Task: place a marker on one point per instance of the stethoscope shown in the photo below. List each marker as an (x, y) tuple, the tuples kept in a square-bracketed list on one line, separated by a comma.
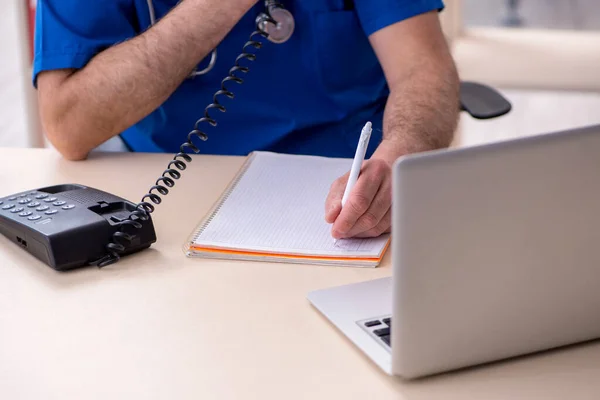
[(278, 32)]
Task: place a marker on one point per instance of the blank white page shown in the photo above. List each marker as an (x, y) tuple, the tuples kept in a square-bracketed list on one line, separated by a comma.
[(278, 206)]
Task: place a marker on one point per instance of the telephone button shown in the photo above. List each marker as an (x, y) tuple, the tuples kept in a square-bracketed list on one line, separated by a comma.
[(33, 204), (50, 199), (34, 217), (68, 207), (7, 206), (41, 196), (51, 212), (42, 208), (13, 198), (25, 214), (23, 195), (59, 203), (25, 200), (17, 210)]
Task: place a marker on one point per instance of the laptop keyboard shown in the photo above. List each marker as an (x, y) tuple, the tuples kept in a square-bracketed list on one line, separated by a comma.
[(380, 328)]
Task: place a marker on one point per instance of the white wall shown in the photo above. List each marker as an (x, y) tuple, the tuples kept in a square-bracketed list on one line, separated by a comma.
[(13, 127)]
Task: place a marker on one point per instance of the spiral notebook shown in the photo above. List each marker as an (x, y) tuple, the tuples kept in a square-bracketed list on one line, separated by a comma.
[(274, 210)]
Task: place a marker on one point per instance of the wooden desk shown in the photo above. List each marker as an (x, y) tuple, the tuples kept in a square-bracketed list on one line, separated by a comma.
[(158, 325)]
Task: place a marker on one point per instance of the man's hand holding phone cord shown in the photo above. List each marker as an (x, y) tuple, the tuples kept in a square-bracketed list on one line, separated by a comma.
[(81, 109)]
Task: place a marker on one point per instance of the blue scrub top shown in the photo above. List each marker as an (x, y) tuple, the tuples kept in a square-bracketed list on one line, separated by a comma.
[(310, 95)]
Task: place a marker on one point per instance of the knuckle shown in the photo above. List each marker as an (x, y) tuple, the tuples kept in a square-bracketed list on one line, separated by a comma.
[(384, 226), (383, 202), (369, 220), (377, 231), (380, 167), (360, 203)]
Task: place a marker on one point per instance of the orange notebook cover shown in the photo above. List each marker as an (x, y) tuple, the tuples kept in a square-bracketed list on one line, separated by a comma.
[(273, 210)]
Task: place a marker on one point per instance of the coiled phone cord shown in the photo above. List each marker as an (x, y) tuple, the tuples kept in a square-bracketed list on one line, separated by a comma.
[(125, 234)]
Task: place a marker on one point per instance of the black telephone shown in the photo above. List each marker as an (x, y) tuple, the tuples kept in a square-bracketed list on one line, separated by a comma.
[(70, 226), (67, 226)]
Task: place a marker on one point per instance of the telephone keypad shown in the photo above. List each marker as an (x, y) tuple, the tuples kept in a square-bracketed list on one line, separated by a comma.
[(19, 204)]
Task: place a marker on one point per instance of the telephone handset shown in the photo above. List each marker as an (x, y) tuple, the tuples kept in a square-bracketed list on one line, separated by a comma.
[(70, 226)]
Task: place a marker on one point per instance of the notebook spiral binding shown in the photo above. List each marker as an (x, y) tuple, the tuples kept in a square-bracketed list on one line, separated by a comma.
[(125, 233), (217, 206)]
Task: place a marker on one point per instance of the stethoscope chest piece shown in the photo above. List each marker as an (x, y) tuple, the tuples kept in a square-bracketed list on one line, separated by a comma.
[(278, 24)]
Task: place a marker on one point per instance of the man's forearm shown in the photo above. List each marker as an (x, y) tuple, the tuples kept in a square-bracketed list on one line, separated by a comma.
[(421, 112), (126, 82)]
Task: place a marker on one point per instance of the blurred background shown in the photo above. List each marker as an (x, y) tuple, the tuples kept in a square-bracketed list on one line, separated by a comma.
[(543, 55), (15, 59)]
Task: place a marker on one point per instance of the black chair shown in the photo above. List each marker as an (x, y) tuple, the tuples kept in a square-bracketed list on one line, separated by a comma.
[(482, 101)]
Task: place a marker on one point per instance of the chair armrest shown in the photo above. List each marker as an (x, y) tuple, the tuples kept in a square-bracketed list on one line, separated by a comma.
[(481, 101)]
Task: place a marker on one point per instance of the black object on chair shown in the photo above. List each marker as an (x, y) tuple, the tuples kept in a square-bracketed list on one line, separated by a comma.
[(481, 101)]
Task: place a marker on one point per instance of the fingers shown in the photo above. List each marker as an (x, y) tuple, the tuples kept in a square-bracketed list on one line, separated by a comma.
[(379, 208), (383, 226), (361, 199), (333, 204)]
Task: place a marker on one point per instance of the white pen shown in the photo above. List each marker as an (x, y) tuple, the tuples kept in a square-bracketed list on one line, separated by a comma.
[(359, 157)]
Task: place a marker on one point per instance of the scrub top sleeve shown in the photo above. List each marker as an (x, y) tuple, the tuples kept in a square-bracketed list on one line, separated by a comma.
[(377, 14), (68, 33)]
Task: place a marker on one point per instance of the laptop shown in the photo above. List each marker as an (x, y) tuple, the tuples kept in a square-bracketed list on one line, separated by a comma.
[(495, 254)]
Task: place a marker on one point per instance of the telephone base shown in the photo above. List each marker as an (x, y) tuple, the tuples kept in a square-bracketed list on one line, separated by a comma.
[(69, 226)]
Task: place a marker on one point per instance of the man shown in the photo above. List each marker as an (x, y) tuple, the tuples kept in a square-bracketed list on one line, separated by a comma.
[(102, 71)]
